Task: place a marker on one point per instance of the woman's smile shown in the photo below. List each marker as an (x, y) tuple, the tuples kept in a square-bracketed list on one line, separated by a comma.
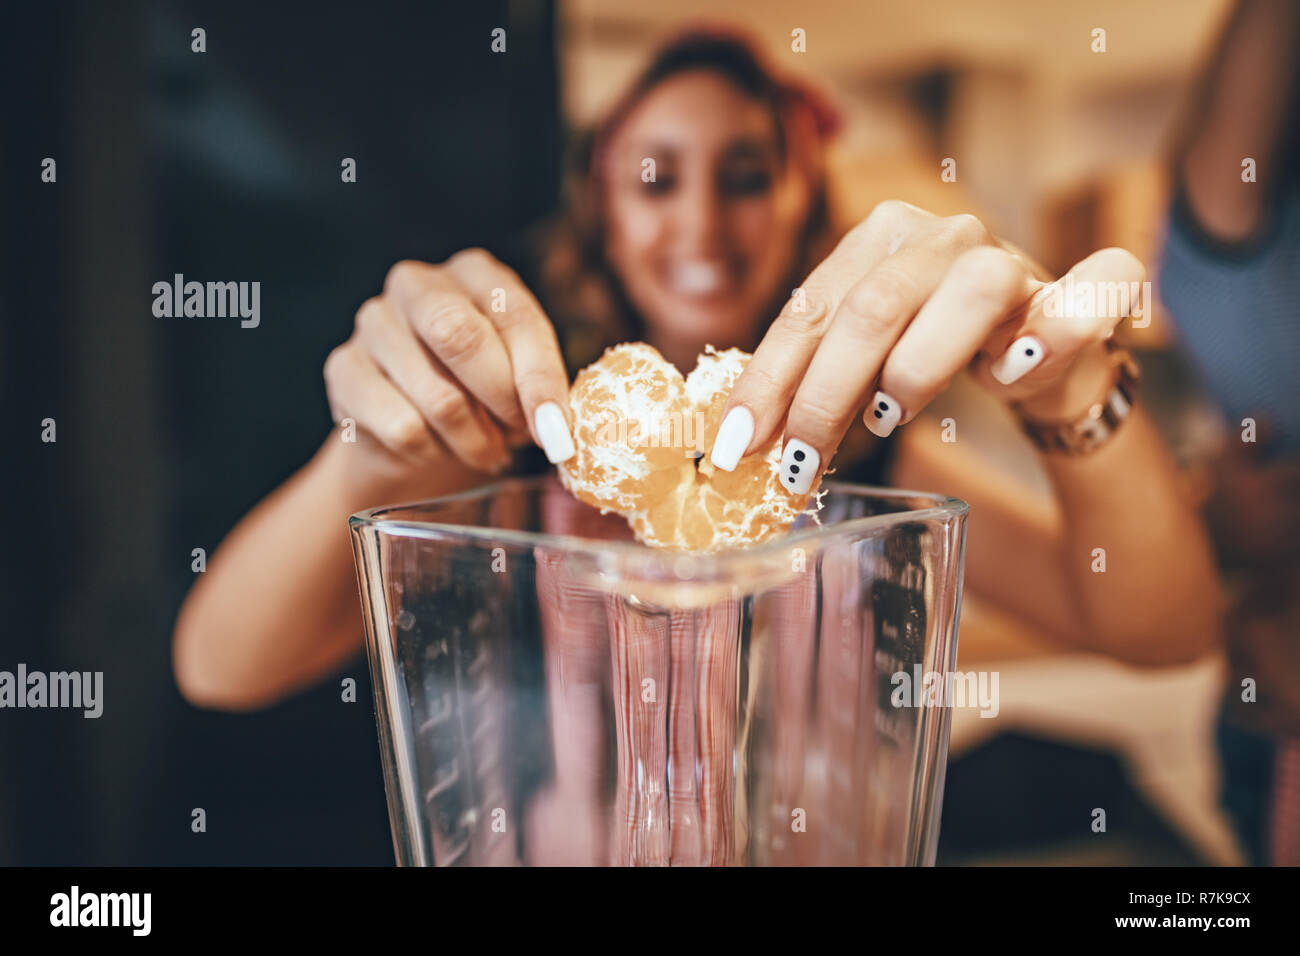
[(701, 281)]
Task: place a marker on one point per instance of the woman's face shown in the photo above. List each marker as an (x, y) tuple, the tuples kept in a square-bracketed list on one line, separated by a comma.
[(703, 249)]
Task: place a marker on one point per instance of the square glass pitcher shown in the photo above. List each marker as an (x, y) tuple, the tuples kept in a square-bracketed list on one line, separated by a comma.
[(550, 692)]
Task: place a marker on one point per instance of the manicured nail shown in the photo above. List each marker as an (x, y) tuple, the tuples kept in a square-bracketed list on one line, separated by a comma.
[(553, 433), (799, 464), (734, 436), (1024, 354), (883, 415)]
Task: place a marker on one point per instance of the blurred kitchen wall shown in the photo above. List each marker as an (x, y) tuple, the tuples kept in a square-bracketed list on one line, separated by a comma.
[(221, 165)]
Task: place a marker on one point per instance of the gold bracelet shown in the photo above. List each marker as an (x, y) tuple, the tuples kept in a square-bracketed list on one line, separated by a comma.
[(1099, 423)]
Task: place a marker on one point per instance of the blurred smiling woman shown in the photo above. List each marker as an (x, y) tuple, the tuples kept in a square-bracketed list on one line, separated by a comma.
[(445, 392)]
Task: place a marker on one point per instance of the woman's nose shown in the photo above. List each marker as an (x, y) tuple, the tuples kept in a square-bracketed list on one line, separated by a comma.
[(699, 216)]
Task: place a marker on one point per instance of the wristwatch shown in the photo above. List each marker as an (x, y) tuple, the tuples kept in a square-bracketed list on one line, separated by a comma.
[(1102, 419)]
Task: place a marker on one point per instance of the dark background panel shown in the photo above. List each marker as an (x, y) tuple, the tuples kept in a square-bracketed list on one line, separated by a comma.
[(223, 166)]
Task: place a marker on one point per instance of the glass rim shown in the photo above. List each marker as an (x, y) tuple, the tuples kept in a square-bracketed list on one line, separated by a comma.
[(943, 507)]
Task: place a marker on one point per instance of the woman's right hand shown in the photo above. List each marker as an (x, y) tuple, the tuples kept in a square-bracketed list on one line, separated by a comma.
[(451, 361)]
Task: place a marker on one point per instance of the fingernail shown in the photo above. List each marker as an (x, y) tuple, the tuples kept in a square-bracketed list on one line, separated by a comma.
[(553, 433), (734, 436), (1024, 354), (799, 464), (884, 415)]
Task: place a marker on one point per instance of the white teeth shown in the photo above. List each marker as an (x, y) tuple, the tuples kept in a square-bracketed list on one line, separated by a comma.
[(698, 278)]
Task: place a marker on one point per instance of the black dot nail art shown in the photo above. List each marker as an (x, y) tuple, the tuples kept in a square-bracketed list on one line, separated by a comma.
[(887, 413), (799, 477)]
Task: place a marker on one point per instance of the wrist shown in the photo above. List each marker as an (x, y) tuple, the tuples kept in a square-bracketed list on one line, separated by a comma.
[(1080, 416), (361, 472), (366, 474)]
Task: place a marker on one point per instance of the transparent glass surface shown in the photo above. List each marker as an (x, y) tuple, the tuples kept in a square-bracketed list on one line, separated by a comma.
[(549, 692)]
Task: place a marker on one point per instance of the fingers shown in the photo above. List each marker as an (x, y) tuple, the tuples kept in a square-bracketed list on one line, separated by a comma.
[(974, 298), (869, 321), (358, 389), (764, 389), (443, 404), (445, 319), (1065, 317), (762, 393), (537, 367), (480, 321)]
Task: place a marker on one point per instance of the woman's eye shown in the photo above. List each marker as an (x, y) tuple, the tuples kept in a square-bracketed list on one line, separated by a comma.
[(747, 183), (659, 186)]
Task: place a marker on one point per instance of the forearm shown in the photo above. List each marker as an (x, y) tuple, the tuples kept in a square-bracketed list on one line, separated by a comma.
[(1124, 507), (1030, 552), (1014, 534), (277, 608), (1241, 112), (1157, 599)]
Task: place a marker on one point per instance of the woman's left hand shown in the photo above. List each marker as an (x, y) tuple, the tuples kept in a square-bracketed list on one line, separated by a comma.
[(906, 301)]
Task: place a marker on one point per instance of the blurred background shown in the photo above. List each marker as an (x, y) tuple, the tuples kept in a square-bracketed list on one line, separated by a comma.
[(226, 165)]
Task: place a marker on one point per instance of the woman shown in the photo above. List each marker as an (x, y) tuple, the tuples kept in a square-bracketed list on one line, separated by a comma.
[(702, 206), (1230, 277)]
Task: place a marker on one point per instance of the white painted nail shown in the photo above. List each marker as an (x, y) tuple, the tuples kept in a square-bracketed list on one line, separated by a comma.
[(799, 464), (1024, 354), (734, 436), (883, 414), (553, 433)]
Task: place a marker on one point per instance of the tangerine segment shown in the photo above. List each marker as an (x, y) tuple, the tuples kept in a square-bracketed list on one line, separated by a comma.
[(620, 404), (638, 428)]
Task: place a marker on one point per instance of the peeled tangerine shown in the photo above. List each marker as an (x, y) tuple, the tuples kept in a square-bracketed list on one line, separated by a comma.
[(639, 428)]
